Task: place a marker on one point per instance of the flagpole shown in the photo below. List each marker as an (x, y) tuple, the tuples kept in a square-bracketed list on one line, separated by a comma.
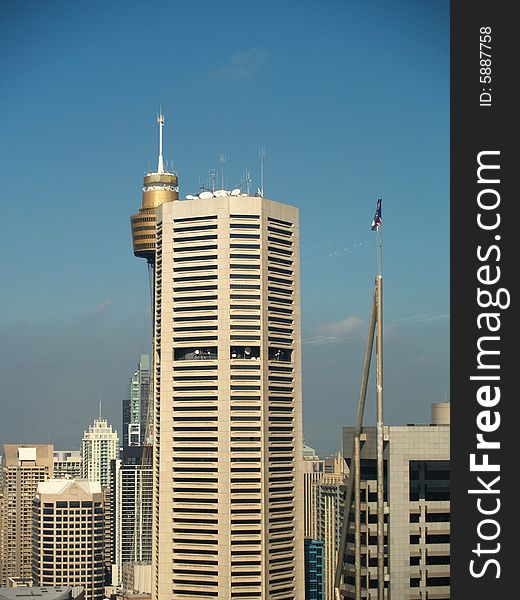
[(380, 428), (358, 428), (376, 328), (380, 236)]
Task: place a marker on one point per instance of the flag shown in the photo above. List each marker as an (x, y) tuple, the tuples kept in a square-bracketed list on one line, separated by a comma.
[(378, 221)]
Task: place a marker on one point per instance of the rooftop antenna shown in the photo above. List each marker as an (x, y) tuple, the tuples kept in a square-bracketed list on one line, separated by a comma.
[(100, 407), (261, 154), (212, 176), (248, 181), (222, 162), (160, 121)]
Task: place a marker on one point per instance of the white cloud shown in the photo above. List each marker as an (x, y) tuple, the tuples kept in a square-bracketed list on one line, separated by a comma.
[(101, 307), (346, 327), (338, 331), (242, 65), (426, 318)]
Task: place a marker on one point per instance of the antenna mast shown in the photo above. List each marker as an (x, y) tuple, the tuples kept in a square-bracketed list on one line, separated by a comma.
[(248, 181), (222, 162), (160, 121), (261, 154)]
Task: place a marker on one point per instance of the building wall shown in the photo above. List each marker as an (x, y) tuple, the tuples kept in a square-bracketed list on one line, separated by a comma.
[(133, 516), (67, 464), (314, 567), (417, 444), (22, 468), (228, 429), (136, 404), (418, 527), (329, 501), (313, 469)]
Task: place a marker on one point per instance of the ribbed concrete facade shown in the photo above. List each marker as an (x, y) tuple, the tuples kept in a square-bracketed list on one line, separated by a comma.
[(228, 497)]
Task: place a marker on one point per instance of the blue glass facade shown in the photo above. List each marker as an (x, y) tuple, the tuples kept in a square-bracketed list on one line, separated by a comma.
[(314, 570)]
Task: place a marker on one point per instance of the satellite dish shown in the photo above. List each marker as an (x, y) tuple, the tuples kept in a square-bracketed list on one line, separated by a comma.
[(190, 197), (220, 193), (247, 350), (197, 351), (206, 195), (235, 192)]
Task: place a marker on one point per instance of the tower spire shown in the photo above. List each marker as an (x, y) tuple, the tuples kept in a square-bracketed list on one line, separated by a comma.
[(160, 121), (159, 186)]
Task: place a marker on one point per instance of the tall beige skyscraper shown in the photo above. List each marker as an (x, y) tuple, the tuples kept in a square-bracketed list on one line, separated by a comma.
[(68, 525), (228, 480), (23, 466)]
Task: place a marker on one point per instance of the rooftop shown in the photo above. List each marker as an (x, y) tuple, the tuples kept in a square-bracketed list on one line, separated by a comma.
[(49, 593), (59, 486)]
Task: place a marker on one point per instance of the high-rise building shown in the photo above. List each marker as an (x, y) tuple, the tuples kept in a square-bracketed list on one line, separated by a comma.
[(23, 467), (324, 488), (329, 492), (228, 485), (108, 541), (228, 508), (308, 452), (100, 445), (313, 469), (68, 524), (417, 510), (67, 464), (132, 507), (136, 409), (314, 580)]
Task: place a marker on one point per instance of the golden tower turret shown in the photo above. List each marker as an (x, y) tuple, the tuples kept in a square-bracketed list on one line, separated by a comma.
[(158, 187)]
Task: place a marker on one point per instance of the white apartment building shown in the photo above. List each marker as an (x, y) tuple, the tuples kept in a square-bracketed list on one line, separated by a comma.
[(100, 445)]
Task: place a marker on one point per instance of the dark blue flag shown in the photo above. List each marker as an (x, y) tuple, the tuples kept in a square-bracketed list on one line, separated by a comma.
[(378, 221)]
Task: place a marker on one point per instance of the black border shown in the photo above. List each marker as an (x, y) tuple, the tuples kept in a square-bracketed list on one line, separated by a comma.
[(475, 129)]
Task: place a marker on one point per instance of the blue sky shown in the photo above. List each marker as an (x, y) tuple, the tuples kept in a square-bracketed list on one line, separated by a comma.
[(350, 101)]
